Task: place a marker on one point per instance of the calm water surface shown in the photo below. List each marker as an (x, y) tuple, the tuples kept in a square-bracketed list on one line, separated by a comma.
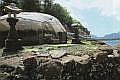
[(112, 42)]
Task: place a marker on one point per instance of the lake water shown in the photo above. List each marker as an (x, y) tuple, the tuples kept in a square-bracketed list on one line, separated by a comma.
[(112, 42)]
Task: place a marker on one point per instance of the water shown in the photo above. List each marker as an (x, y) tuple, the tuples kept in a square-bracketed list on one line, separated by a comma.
[(112, 42)]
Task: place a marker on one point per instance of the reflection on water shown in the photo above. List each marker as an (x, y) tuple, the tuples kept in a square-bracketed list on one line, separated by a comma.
[(112, 42)]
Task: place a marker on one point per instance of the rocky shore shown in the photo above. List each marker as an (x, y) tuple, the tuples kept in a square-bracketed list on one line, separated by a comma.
[(66, 62)]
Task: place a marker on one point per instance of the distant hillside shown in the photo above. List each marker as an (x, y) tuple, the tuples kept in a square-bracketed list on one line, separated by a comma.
[(110, 36), (113, 35)]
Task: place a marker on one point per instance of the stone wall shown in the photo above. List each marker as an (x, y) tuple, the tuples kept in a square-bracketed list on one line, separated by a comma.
[(102, 66)]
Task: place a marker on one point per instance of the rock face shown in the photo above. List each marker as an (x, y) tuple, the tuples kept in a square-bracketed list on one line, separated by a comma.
[(30, 65), (6, 68), (72, 67), (35, 28), (102, 66), (52, 70)]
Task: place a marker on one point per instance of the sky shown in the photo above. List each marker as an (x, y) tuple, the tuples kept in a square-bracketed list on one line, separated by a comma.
[(99, 16)]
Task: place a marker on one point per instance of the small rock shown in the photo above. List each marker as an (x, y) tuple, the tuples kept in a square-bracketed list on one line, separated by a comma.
[(57, 53), (110, 56), (82, 60), (43, 55), (116, 53)]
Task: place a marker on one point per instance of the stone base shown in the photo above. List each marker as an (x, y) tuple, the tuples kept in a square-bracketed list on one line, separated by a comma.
[(12, 46), (76, 41)]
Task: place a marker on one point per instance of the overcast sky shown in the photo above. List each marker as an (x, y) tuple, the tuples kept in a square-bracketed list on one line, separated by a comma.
[(99, 16)]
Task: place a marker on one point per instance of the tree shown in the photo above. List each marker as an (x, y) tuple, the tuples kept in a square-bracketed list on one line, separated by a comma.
[(30, 5), (47, 5), (61, 13), (5, 3)]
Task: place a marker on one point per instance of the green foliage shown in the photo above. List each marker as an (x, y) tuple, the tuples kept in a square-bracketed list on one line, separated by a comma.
[(30, 5), (4, 3), (47, 5), (61, 13)]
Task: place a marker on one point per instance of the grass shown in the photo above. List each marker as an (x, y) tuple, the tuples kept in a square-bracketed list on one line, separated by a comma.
[(74, 49)]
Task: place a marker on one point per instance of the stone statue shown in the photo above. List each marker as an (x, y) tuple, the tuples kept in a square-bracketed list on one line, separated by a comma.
[(12, 9), (12, 43)]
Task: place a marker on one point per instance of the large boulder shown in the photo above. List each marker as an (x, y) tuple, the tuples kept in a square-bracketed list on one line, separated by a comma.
[(36, 28), (52, 69)]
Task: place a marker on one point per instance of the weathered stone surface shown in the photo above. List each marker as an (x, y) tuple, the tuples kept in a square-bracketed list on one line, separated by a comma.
[(82, 60), (116, 53), (19, 70), (6, 68), (51, 69), (30, 63), (3, 76), (70, 67), (57, 53), (106, 49), (75, 70), (101, 56)]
